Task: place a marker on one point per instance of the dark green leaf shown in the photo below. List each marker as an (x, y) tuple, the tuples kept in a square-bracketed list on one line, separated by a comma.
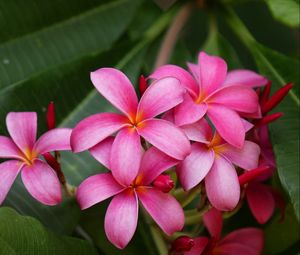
[(25, 235), (286, 11)]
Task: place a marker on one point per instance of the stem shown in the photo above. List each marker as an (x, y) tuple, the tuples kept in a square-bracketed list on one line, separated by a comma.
[(172, 35), (194, 216)]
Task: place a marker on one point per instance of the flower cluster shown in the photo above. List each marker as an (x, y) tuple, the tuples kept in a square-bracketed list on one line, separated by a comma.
[(208, 124)]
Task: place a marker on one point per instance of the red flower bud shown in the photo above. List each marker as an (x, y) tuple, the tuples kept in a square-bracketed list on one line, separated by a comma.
[(267, 119), (252, 174), (276, 98), (182, 243), (51, 116), (142, 84), (164, 183), (55, 166), (266, 93)]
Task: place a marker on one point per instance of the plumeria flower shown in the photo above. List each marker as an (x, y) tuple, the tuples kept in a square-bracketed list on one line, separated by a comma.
[(137, 120), (213, 91), (38, 177), (245, 241), (122, 213), (214, 159), (261, 198)]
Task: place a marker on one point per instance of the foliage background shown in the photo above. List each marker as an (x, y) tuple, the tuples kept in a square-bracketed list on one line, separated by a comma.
[(48, 48)]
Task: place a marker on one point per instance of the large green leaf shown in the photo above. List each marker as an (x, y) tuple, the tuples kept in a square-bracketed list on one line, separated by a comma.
[(22, 235), (286, 11)]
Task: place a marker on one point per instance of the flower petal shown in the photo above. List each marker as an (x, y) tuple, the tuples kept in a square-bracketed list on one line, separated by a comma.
[(8, 149), (22, 127), (164, 209), (200, 245), (97, 188), (42, 183), (121, 218), (102, 151), (222, 185), (8, 173), (199, 131), (213, 221), (213, 71), (57, 139), (117, 89), (126, 155), (166, 137), (162, 95), (195, 70), (154, 162), (253, 238), (245, 78), (195, 166), (237, 98), (228, 124), (94, 129), (234, 249), (188, 111), (246, 157), (260, 201), (179, 73), (247, 125)]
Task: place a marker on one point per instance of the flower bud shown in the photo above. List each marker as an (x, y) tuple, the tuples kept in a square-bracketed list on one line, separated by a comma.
[(142, 84), (164, 183), (51, 116), (182, 244)]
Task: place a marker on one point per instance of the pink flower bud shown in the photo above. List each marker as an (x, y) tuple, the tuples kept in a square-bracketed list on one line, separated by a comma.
[(164, 183), (51, 116), (183, 243)]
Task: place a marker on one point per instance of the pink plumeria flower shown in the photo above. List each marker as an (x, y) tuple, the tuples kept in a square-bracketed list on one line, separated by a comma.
[(122, 214), (38, 177), (138, 120), (213, 91), (261, 197), (214, 159), (244, 241)]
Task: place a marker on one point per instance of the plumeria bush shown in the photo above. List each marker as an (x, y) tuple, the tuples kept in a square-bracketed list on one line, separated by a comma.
[(120, 135)]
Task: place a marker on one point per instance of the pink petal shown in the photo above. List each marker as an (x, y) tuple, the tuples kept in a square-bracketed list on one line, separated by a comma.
[(195, 70), (94, 129), (188, 111), (245, 78), (213, 71), (117, 89), (179, 73), (57, 139), (260, 201), (97, 188), (102, 151), (8, 173), (121, 218), (222, 185), (126, 155), (42, 183), (169, 116), (164, 209), (195, 166), (213, 221), (200, 245), (154, 162), (237, 98), (199, 131), (246, 157), (8, 149), (22, 127), (166, 137), (228, 124), (247, 125), (234, 249), (161, 96), (253, 238)]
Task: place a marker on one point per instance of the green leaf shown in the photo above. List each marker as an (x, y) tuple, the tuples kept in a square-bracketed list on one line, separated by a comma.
[(25, 235), (279, 236), (284, 132), (285, 11)]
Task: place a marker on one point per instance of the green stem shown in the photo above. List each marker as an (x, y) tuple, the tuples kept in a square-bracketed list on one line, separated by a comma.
[(194, 216)]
